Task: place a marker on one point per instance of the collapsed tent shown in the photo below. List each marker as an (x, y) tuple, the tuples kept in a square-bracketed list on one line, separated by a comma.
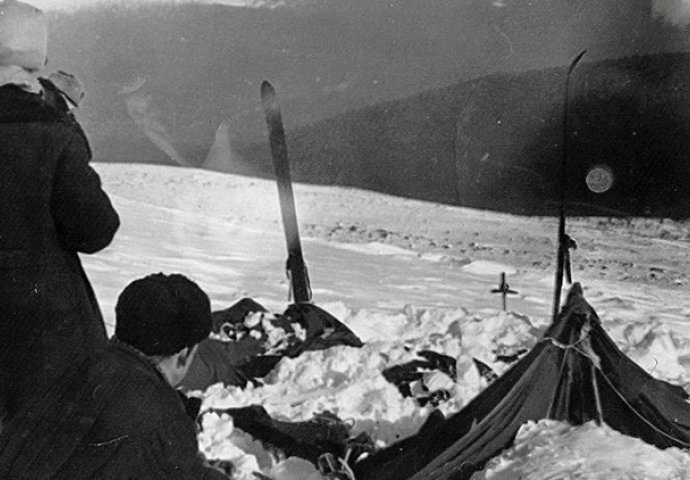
[(575, 374), (248, 342), (310, 439)]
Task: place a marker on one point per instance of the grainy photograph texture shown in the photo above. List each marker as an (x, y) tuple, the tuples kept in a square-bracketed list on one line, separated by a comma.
[(345, 239)]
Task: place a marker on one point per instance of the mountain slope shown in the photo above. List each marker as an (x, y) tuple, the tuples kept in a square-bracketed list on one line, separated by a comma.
[(496, 142), (202, 64), (161, 79)]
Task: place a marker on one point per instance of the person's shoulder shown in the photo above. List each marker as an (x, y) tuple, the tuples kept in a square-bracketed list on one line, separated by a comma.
[(19, 106), (138, 394)]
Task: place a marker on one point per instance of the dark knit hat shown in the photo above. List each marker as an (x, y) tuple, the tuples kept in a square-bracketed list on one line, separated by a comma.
[(162, 314)]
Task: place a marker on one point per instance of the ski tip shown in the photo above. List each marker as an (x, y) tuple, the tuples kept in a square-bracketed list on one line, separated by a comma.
[(576, 60), (267, 88), (269, 100)]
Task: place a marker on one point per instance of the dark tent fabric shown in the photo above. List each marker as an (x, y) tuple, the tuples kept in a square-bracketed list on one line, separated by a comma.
[(217, 361), (240, 361), (310, 439), (236, 313), (323, 329), (575, 374), (405, 375)]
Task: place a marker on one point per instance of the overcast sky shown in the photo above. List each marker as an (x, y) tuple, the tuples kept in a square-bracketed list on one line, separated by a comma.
[(676, 11)]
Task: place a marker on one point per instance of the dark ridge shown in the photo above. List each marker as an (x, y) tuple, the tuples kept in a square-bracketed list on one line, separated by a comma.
[(496, 142), (350, 75)]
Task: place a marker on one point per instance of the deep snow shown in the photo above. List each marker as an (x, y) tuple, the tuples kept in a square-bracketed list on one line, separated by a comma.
[(404, 275)]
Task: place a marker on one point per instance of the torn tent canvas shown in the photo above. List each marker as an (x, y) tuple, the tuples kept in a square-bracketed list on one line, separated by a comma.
[(309, 439), (244, 347), (575, 374)]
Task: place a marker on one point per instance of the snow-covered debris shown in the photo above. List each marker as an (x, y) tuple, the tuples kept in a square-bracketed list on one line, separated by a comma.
[(498, 338), (659, 349), (485, 267), (219, 441), (349, 382)]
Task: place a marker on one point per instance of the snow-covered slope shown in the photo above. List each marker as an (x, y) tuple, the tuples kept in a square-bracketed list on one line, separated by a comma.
[(404, 275)]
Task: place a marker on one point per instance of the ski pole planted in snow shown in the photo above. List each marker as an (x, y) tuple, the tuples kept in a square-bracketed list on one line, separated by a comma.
[(504, 289), (562, 243), (296, 268), (570, 244)]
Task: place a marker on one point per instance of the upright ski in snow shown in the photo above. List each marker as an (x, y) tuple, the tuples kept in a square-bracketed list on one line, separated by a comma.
[(296, 268), (563, 240)]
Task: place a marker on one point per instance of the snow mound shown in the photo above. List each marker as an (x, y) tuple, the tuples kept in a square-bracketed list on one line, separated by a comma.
[(219, 442), (659, 349), (374, 248), (222, 441), (485, 267), (408, 324), (342, 380), (555, 450)]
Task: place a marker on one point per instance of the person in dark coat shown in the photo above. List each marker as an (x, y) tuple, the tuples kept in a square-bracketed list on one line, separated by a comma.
[(119, 416), (51, 207)]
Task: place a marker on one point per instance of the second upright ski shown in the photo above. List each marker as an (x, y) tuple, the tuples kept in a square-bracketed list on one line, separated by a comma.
[(297, 269)]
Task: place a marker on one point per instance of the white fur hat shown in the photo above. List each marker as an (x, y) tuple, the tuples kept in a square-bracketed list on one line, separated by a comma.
[(23, 35)]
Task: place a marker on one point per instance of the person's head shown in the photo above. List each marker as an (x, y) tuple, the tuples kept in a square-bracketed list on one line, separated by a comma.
[(23, 36), (164, 317)]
